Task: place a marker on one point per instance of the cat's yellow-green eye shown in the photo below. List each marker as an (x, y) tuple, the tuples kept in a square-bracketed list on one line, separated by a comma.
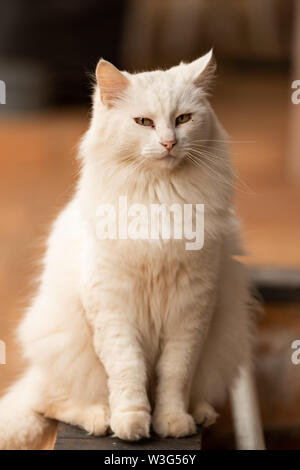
[(183, 118), (144, 121)]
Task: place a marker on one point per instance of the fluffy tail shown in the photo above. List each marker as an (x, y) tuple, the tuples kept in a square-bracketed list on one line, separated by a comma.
[(20, 426)]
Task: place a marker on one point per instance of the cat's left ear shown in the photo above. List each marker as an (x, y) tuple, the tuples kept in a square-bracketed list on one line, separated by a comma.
[(112, 83), (201, 71)]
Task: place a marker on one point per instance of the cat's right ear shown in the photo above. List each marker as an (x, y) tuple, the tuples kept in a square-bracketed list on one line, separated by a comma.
[(112, 83)]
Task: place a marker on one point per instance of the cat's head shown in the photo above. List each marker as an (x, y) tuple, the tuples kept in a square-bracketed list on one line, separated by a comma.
[(154, 118)]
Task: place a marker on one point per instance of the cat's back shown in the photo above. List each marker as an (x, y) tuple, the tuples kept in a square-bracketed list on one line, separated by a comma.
[(62, 259)]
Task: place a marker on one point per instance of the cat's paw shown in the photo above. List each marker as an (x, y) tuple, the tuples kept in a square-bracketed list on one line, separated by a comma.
[(205, 414), (96, 420), (174, 424), (131, 425)]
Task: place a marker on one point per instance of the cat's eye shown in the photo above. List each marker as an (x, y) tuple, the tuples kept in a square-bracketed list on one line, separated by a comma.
[(183, 118), (144, 121)]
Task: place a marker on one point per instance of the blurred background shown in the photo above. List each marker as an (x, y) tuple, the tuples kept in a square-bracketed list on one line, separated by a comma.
[(48, 53)]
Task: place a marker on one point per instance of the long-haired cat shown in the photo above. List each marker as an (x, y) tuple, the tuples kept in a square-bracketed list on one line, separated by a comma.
[(124, 334)]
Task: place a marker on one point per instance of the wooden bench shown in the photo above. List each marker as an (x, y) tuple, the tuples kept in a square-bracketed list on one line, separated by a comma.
[(72, 438)]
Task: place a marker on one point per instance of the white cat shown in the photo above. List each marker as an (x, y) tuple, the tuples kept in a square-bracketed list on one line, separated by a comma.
[(123, 334)]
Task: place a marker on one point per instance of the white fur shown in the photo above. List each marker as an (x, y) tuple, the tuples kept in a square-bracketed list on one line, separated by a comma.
[(122, 328)]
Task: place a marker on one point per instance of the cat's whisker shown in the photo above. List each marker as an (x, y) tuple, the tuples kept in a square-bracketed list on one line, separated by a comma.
[(213, 152), (190, 145), (137, 166), (226, 141), (203, 165), (236, 176), (223, 151), (202, 152), (207, 156)]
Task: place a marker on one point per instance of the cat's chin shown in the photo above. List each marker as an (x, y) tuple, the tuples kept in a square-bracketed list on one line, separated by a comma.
[(168, 160)]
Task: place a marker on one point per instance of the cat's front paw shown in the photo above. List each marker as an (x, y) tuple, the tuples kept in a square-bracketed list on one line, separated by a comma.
[(174, 424), (131, 425), (96, 420), (205, 414)]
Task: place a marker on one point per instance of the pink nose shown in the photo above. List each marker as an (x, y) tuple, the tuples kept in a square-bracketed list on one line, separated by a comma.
[(169, 144)]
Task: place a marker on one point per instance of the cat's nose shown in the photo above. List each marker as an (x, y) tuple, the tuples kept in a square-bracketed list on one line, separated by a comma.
[(169, 144)]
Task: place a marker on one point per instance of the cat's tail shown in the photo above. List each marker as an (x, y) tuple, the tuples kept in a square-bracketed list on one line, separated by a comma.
[(20, 426)]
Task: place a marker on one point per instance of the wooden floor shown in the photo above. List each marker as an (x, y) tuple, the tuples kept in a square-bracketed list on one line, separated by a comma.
[(37, 172)]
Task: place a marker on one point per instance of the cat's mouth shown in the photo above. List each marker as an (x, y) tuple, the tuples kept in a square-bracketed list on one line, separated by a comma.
[(168, 158)]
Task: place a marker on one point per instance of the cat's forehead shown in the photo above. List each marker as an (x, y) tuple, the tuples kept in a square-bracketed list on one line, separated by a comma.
[(162, 92)]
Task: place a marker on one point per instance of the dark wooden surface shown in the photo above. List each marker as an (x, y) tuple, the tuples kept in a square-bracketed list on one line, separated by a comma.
[(277, 284), (73, 438)]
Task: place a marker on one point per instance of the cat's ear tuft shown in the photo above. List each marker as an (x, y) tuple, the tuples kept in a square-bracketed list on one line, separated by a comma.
[(202, 70), (112, 83)]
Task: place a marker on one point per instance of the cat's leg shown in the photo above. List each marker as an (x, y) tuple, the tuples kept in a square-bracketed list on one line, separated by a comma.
[(190, 311), (116, 341), (175, 372), (92, 418), (204, 414), (170, 416)]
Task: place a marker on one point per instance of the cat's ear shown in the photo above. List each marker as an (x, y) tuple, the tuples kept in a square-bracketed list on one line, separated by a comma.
[(201, 71), (112, 83)]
